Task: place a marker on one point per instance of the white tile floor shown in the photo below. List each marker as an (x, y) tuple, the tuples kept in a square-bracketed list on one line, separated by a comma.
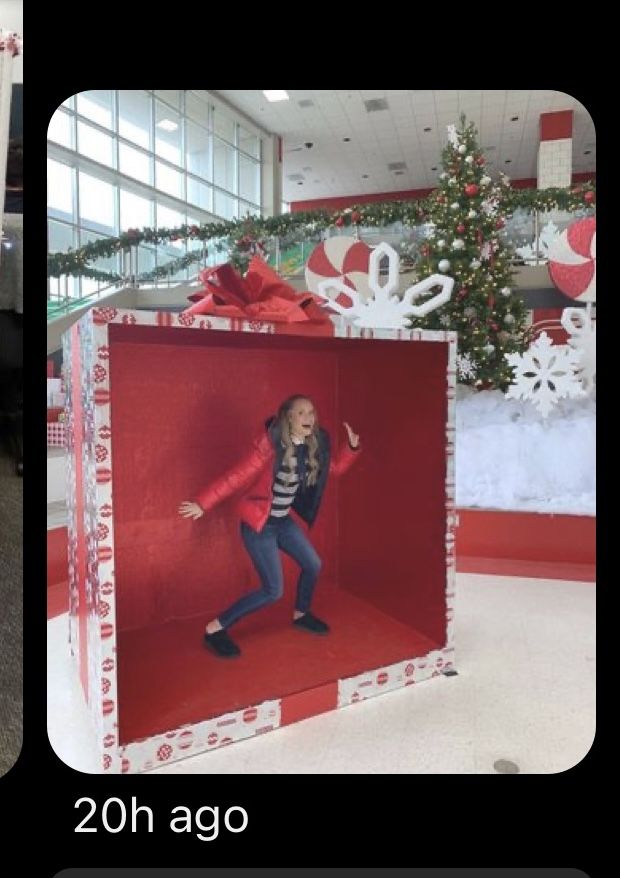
[(525, 692)]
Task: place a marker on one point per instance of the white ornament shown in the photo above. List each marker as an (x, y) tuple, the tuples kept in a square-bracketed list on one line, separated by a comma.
[(505, 291), (469, 159), (441, 244), (458, 244), (484, 181), (455, 206), (443, 175), (475, 263), (472, 214), (489, 348), (581, 329), (452, 181), (385, 310), (465, 366), (462, 149), (452, 135), (509, 318), (444, 265), (488, 207), (544, 374)]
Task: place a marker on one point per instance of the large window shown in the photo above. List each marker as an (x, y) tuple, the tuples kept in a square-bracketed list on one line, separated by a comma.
[(130, 159)]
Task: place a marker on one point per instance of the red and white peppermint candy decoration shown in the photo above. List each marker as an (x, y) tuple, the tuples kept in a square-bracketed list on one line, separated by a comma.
[(101, 453), (105, 685), (572, 260), (186, 319), (340, 258)]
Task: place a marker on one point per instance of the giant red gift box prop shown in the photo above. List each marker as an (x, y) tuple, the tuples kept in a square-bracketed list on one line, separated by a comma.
[(158, 405)]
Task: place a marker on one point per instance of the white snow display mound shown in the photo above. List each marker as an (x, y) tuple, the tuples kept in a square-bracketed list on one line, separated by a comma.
[(508, 457)]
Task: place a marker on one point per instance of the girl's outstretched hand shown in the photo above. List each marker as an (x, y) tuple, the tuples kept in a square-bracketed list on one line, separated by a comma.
[(354, 439), (191, 510)]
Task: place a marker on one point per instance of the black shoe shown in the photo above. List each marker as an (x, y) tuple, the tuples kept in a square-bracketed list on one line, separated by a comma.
[(310, 623), (220, 643)]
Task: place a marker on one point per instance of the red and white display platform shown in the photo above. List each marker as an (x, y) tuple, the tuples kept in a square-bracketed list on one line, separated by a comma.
[(158, 405)]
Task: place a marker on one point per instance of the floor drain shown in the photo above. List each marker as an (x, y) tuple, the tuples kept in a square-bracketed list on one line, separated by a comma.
[(504, 766)]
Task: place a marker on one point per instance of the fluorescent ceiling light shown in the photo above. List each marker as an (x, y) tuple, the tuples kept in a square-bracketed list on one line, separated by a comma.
[(167, 125), (276, 95)]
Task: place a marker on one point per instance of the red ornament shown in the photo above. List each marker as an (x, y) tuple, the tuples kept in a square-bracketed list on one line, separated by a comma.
[(460, 228), (472, 189), (339, 222), (425, 249), (462, 293), (500, 223), (589, 196), (132, 234), (194, 230), (356, 217), (480, 161)]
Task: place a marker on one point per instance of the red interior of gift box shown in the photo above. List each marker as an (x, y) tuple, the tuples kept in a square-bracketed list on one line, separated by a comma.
[(185, 406)]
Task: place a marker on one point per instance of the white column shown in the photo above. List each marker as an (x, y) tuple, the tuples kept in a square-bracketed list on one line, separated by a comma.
[(555, 151), (271, 176)]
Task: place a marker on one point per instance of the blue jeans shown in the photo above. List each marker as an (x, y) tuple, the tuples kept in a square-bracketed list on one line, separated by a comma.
[(263, 550)]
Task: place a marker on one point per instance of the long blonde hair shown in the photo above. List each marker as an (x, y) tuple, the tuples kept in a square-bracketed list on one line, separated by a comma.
[(311, 441)]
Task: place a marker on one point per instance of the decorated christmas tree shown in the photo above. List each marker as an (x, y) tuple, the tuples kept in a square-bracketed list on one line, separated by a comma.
[(467, 242)]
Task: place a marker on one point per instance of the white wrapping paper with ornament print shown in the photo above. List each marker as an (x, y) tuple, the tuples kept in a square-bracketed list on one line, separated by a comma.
[(93, 609)]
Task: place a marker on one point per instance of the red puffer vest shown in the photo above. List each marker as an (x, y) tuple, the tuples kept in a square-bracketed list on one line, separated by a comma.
[(254, 475)]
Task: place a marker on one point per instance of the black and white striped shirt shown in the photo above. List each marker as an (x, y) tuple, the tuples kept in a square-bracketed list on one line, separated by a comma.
[(284, 492)]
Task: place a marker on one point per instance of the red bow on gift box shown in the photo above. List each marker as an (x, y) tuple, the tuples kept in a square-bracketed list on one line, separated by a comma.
[(260, 295)]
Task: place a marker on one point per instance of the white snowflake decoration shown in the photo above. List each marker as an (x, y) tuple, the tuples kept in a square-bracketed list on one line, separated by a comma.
[(445, 320), (465, 366), (385, 310), (582, 337), (544, 374), (547, 237), (489, 207)]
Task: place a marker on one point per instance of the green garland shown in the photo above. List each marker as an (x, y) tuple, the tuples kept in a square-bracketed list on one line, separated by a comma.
[(242, 237)]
